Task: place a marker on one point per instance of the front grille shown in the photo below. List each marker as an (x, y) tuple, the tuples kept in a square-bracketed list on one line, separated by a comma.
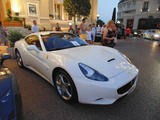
[(126, 87)]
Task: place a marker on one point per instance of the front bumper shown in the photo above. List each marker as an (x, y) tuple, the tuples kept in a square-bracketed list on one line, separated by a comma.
[(94, 92)]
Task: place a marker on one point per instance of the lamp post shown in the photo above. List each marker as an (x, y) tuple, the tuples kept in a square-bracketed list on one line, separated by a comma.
[(98, 15)]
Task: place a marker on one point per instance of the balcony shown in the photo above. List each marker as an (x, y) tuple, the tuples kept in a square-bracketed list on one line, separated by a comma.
[(127, 8)]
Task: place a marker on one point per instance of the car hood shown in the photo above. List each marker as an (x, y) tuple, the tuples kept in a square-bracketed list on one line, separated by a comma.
[(105, 60)]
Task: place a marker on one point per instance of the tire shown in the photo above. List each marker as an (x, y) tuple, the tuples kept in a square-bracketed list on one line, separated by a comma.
[(19, 59), (65, 88)]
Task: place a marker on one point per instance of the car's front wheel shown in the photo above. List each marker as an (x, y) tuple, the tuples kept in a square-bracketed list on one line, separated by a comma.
[(65, 86), (19, 59)]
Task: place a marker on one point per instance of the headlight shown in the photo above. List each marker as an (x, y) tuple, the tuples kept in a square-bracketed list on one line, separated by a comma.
[(126, 58), (156, 36), (135, 33), (92, 74)]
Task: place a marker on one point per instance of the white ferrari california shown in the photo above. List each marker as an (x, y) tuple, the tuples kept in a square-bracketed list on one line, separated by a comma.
[(80, 72)]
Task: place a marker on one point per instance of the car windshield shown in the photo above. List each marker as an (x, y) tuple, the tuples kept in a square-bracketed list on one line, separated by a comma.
[(58, 41)]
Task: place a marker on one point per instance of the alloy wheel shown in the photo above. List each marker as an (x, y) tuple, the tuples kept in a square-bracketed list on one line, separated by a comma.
[(64, 87)]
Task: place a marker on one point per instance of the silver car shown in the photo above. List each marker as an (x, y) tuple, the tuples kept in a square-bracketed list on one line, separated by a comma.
[(152, 34)]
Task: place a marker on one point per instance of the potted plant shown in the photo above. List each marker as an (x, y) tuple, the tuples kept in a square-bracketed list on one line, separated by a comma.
[(13, 21), (13, 36)]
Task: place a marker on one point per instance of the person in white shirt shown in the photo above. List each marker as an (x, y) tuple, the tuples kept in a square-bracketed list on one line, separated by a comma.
[(89, 35), (94, 32), (34, 27)]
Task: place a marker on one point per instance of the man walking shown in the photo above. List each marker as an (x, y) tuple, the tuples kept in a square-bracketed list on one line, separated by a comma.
[(34, 27), (3, 35)]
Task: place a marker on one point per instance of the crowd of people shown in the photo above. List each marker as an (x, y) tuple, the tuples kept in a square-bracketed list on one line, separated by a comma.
[(85, 32)]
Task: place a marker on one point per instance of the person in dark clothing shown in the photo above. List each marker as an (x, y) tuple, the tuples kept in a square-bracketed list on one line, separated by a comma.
[(57, 28), (109, 36)]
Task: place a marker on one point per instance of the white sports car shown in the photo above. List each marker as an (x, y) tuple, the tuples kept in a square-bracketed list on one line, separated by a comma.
[(80, 72)]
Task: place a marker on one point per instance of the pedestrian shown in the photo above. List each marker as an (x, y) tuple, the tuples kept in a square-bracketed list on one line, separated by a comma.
[(102, 32), (71, 30), (89, 35), (77, 30), (35, 28), (83, 28), (94, 32), (123, 33), (3, 35), (57, 28), (109, 36), (128, 32)]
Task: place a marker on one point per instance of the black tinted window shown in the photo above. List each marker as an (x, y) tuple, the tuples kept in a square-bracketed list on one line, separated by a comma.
[(61, 41), (33, 40)]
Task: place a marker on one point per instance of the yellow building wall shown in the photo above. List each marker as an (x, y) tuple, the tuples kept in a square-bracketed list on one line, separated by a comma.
[(44, 8)]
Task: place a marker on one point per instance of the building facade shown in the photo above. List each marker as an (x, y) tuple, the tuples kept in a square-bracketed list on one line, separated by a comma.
[(46, 12), (138, 13)]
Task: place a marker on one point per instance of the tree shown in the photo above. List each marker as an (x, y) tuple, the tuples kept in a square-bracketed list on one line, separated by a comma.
[(114, 15), (76, 8), (100, 22)]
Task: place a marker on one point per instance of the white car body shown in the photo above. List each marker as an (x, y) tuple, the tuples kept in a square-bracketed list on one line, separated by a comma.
[(120, 71)]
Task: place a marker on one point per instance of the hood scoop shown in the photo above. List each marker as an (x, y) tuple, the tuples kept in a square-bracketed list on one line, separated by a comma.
[(111, 60)]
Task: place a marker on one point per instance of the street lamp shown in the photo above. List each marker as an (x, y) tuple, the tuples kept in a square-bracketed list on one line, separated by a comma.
[(118, 22), (70, 24), (98, 15)]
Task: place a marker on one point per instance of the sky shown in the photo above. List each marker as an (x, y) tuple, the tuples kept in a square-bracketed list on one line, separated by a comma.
[(105, 9)]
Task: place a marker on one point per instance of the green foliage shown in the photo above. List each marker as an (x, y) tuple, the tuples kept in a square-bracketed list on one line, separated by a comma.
[(29, 27), (100, 22), (9, 14), (14, 36), (17, 19), (77, 7), (8, 19)]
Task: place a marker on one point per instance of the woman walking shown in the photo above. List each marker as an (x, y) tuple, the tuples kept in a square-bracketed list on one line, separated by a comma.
[(83, 29), (89, 35), (3, 35), (57, 28), (109, 36)]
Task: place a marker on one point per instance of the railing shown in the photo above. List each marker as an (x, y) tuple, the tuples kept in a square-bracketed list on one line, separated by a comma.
[(127, 8)]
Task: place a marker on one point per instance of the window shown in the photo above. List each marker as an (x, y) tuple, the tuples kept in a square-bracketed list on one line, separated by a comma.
[(145, 6), (57, 11), (33, 40), (61, 41), (158, 9)]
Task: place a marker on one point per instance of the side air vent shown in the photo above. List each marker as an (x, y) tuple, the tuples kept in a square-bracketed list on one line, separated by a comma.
[(111, 60)]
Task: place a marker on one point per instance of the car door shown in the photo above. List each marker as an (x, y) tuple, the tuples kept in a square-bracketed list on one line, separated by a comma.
[(38, 60)]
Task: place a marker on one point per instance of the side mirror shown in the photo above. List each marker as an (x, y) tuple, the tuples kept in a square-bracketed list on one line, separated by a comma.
[(33, 47), (4, 57)]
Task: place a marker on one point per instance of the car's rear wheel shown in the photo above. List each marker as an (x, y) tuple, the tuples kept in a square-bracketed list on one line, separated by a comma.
[(19, 59), (65, 86)]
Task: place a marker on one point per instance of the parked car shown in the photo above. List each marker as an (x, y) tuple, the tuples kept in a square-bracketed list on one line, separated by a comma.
[(10, 97), (136, 33), (80, 72), (152, 34)]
